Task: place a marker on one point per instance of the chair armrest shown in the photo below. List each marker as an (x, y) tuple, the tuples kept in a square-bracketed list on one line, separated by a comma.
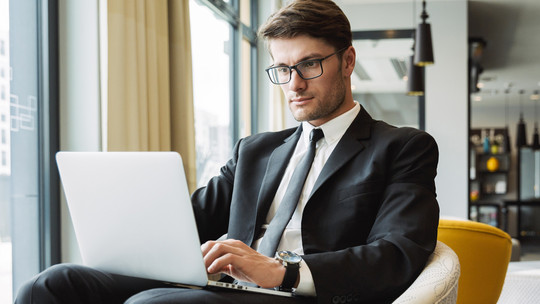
[(438, 282)]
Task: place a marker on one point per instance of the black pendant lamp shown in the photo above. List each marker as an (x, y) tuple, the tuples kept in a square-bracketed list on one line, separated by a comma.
[(424, 47), (521, 137), (415, 76), (507, 146), (536, 136)]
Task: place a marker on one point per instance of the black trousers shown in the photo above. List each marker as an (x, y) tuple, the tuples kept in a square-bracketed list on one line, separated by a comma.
[(71, 283)]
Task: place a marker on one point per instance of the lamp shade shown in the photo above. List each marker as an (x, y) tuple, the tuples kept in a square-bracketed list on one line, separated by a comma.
[(521, 137), (536, 138), (415, 83), (424, 46), (507, 146)]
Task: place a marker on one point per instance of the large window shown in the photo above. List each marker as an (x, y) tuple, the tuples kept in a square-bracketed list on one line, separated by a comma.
[(212, 89), (5, 164), (28, 183), (223, 51)]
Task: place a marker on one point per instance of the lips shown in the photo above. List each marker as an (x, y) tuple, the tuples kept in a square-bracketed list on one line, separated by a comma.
[(299, 101)]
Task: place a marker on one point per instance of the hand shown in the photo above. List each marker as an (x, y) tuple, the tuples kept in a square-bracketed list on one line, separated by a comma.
[(241, 262)]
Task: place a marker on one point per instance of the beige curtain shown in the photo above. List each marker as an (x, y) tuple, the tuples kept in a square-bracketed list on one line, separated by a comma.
[(150, 97)]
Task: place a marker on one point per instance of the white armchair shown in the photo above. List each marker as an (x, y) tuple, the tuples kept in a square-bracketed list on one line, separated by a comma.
[(438, 282)]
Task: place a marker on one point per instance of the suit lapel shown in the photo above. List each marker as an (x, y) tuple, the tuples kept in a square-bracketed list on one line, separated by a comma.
[(277, 163), (352, 143)]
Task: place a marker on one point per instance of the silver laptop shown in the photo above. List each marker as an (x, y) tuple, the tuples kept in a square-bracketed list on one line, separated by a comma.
[(132, 215)]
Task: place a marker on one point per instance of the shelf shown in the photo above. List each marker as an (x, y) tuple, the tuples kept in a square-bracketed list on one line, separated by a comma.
[(493, 172)]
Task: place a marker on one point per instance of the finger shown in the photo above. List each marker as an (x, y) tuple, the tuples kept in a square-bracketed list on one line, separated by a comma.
[(235, 243), (261, 270), (219, 249), (222, 264), (207, 246)]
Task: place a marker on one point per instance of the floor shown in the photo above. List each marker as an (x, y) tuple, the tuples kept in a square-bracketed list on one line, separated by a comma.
[(530, 250)]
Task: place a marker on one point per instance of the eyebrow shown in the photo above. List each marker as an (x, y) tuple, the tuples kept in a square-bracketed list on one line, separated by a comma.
[(308, 57)]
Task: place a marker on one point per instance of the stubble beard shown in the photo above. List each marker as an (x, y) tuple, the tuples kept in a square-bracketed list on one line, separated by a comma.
[(326, 107)]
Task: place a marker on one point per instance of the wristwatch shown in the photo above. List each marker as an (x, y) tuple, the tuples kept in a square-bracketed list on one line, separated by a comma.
[(291, 261)]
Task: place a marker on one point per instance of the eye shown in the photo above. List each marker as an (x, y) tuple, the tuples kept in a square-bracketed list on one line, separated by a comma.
[(282, 69), (309, 64)]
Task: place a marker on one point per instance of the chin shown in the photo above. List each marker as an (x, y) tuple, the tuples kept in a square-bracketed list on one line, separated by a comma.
[(299, 115)]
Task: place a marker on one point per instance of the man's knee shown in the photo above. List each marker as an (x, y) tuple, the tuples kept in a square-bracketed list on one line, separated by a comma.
[(49, 284), (24, 295)]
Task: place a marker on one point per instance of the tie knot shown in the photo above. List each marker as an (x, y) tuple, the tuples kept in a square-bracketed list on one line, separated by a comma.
[(315, 135)]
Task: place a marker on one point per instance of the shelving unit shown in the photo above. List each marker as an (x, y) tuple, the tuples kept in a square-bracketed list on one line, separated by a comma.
[(488, 177)]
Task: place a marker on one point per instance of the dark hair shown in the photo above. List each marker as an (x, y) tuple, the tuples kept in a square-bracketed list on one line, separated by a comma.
[(316, 18)]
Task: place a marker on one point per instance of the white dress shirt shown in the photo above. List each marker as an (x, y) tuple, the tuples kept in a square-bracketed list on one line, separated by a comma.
[(292, 238)]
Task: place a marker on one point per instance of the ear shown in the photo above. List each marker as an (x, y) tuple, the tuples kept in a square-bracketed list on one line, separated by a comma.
[(349, 60)]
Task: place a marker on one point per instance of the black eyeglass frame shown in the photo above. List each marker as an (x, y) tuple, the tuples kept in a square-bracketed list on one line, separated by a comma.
[(295, 67)]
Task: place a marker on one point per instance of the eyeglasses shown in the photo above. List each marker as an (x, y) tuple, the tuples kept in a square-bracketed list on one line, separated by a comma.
[(307, 69)]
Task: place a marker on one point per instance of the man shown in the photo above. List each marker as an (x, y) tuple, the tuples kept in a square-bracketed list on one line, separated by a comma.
[(364, 221)]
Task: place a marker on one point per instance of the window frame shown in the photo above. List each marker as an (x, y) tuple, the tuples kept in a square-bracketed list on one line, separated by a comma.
[(230, 12), (48, 234), (49, 134)]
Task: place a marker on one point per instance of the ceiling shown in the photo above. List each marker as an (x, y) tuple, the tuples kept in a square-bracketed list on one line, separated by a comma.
[(511, 58)]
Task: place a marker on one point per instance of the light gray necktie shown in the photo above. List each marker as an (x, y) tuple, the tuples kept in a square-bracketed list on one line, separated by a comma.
[(272, 236)]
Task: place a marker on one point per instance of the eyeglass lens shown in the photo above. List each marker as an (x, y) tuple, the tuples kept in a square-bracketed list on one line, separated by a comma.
[(306, 69)]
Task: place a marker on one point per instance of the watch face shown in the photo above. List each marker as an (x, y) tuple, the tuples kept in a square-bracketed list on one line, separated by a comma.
[(289, 257)]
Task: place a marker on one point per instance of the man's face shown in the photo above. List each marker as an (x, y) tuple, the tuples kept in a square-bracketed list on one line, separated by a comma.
[(320, 99)]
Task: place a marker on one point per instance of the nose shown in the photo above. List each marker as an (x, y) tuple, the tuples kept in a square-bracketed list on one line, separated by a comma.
[(297, 83)]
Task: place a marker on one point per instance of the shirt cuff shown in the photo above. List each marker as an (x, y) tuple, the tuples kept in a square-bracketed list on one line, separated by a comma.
[(306, 286)]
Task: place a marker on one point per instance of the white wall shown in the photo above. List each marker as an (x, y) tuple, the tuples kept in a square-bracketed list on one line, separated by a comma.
[(79, 93), (447, 103), (446, 84)]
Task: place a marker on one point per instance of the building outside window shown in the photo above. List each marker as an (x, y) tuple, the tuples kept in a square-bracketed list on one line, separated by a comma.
[(5, 231), (212, 54), (26, 145), (222, 86)]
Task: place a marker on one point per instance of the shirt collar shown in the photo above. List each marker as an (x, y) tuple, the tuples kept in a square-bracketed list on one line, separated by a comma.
[(334, 129)]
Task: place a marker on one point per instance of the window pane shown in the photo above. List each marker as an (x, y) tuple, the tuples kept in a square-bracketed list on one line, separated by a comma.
[(379, 80), (211, 50), (20, 173), (5, 233), (245, 88)]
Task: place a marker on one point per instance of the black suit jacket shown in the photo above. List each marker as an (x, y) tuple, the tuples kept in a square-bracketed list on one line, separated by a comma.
[(370, 223)]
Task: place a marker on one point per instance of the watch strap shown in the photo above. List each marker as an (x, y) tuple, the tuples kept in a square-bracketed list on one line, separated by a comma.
[(292, 270)]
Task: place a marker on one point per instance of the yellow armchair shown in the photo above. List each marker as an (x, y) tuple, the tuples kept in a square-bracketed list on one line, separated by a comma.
[(484, 253)]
